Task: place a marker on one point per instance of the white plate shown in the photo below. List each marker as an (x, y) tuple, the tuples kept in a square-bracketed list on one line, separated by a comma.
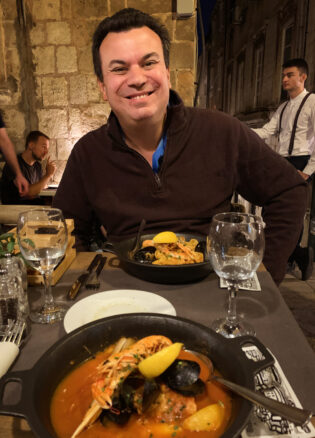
[(115, 302)]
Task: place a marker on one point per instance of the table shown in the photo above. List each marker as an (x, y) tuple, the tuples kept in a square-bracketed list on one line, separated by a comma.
[(202, 302), (47, 195)]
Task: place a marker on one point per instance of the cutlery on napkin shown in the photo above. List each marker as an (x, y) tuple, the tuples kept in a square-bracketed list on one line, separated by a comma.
[(9, 345), (81, 280)]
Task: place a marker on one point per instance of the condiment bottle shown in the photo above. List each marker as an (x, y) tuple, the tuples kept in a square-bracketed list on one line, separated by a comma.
[(17, 269), (9, 298)]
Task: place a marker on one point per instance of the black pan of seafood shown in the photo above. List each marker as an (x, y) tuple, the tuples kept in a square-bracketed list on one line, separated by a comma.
[(143, 264), (38, 385)]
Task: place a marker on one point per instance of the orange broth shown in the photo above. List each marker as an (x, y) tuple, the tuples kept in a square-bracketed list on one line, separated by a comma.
[(73, 396)]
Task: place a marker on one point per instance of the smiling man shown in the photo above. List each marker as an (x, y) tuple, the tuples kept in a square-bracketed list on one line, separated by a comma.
[(159, 160), (294, 122)]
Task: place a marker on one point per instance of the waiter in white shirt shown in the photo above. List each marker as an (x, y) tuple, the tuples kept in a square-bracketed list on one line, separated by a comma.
[(294, 123)]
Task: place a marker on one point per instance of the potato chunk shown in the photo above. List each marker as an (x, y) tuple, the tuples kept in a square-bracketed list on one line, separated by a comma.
[(206, 419)]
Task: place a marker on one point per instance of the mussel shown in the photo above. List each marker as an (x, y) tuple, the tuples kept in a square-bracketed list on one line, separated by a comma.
[(183, 377), (135, 394), (151, 390), (202, 247), (119, 413), (145, 255)]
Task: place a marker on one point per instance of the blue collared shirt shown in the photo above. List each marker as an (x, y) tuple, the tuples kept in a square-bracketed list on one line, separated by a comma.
[(158, 154)]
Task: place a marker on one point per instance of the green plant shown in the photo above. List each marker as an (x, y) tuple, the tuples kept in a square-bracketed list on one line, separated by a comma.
[(7, 243)]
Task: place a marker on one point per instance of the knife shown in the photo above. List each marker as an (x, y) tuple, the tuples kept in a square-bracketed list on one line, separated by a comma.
[(81, 280)]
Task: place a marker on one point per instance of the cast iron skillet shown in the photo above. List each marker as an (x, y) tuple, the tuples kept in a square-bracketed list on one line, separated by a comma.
[(159, 274), (39, 383)]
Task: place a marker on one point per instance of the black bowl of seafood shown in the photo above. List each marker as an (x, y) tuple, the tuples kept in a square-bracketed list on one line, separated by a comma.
[(165, 257), (136, 375)]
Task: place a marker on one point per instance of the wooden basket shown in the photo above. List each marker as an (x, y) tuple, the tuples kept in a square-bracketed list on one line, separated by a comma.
[(35, 278)]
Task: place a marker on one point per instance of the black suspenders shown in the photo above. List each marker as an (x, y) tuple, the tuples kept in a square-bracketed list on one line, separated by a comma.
[(294, 123)]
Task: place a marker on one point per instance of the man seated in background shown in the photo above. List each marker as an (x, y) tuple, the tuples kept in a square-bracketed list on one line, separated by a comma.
[(158, 160), (36, 149)]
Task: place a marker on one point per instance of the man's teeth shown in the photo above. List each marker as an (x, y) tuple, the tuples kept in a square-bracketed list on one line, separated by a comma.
[(140, 97)]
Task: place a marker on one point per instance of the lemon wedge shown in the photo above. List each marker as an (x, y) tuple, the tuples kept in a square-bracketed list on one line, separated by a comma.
[(156, 364), (165, 237)]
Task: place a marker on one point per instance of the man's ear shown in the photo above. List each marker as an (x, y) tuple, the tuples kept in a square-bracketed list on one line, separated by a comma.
[(103, 89), (303, 77), (169, 78)]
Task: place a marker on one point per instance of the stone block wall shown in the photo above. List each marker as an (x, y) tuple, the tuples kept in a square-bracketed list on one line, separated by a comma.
[(47, 80)]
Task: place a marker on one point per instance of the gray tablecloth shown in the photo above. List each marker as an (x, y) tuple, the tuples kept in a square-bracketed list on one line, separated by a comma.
[(203, 302)]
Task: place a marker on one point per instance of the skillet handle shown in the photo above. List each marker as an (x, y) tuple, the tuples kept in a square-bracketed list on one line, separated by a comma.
[(20, 408), (258, 366)]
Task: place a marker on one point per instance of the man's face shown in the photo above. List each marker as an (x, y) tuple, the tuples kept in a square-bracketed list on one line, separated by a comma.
[(292, 79), (136, 81), (39, 148)]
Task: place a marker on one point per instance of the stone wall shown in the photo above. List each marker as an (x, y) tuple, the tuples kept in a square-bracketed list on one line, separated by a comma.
[(47, 80)]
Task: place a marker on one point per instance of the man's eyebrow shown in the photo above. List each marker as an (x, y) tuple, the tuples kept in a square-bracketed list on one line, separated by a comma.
[(149, 55), (116, 61), (144, 58)]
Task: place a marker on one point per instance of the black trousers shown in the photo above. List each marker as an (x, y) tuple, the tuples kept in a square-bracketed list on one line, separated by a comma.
[(299, 163)]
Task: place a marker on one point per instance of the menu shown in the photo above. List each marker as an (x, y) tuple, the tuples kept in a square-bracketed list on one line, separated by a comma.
[(273, 383)]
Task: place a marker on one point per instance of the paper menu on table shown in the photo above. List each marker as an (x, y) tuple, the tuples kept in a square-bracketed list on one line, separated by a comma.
[(273, 383), (250, 284)]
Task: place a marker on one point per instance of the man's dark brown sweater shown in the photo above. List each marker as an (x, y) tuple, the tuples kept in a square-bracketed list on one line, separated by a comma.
[(208, 156)]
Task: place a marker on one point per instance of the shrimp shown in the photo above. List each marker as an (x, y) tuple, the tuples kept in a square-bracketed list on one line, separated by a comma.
[(114, 371), (119, 365)]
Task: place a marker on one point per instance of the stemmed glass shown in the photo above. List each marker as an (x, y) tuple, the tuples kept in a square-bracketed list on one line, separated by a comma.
[(236, 246), (42, 236)]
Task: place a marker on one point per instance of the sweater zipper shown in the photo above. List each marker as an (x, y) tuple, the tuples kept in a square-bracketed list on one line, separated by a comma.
[(157, 180), (156, 176)]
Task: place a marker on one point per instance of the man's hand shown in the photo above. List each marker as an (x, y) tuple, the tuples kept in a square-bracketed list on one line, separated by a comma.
[(22, 184), (50, 167), (304, 175)]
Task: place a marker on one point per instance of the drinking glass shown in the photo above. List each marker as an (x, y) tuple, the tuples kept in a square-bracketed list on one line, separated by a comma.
[(42, 236), (236, 246)]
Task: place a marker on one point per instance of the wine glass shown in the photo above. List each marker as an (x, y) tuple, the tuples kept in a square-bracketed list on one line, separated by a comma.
[(42, 236), (236, 246)]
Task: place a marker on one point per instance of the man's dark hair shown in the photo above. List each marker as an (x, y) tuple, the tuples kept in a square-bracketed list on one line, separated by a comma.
[(33, 137), (124, 20), (299, 63)]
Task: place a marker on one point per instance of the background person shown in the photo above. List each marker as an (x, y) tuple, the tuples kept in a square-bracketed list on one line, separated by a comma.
[(36, 149), (8, 151), (294, 122), (159, 160)]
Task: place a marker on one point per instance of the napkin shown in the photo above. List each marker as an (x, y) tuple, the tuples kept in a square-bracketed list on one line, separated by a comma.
[(8, 353), (274, 384)]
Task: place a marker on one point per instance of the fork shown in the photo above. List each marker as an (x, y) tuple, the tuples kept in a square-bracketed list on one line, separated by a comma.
[(9, 345), (94, 282), (14, 332)]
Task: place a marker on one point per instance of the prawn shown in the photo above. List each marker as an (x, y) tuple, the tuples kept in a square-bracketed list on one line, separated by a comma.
[(114, 371), (119, 365)]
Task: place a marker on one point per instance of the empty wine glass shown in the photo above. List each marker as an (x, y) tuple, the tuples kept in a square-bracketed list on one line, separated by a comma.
[(42, 236), (236, 247)]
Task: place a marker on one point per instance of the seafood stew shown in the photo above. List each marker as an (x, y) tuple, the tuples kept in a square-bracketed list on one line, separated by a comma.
[(146, 388), (39, 383)]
